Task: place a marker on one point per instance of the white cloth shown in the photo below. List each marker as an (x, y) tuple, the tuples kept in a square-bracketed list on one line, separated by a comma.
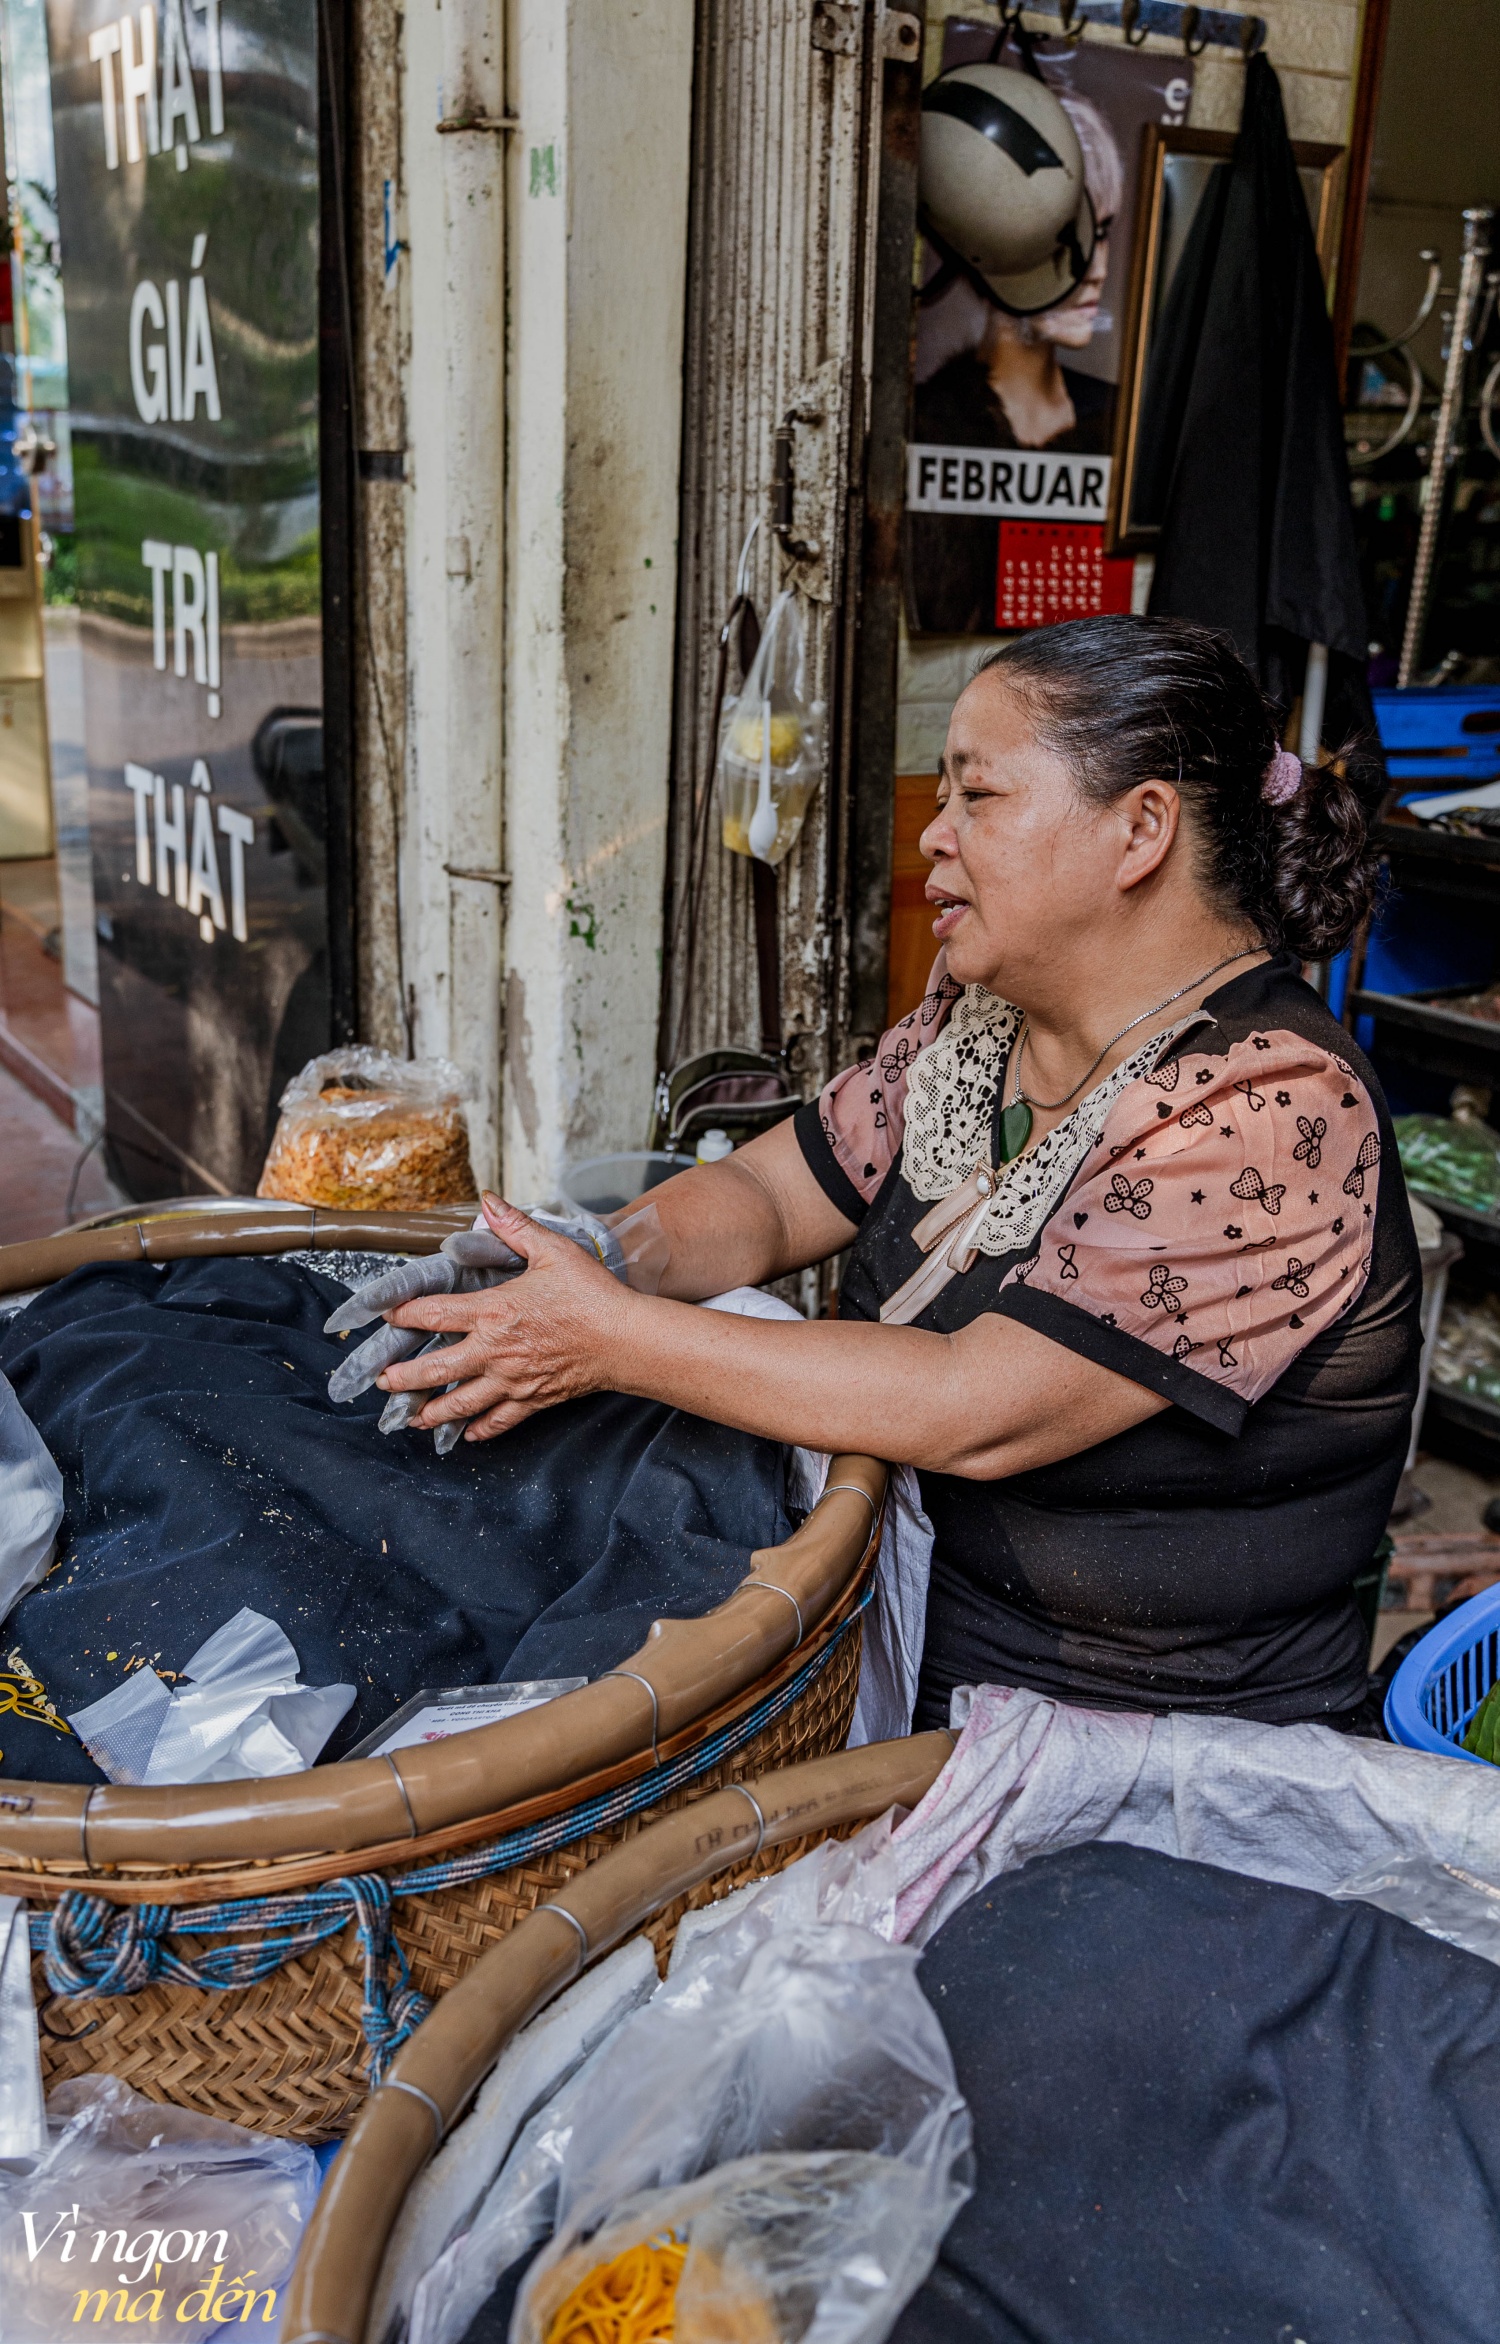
[(1298, 1804), (896, 1620), (31, 1502)]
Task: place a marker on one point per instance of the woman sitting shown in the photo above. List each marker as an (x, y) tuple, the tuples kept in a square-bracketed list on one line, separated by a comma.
[(1132, 1278)]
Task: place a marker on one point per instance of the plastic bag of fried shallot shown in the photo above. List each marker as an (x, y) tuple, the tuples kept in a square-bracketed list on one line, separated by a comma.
[(364, 1131)]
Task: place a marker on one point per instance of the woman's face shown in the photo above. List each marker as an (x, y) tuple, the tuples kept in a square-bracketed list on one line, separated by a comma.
[(1075, 321), (1024, 868)]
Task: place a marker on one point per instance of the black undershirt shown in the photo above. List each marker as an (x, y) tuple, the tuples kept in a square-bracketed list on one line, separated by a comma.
[(1201, 1560)]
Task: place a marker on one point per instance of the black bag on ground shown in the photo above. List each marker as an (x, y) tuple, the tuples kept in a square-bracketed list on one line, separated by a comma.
[(205, 1467)]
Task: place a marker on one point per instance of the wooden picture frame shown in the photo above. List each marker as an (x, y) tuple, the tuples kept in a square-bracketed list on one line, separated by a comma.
[(1159, 143)]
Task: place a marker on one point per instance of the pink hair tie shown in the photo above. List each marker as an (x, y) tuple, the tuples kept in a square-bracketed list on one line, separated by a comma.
[(1283, 778)]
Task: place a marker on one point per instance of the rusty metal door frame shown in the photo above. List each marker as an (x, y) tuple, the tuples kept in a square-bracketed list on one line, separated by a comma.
[(797, 363)]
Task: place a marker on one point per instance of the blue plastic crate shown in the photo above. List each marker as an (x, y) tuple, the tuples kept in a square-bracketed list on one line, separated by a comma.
[(1440, 734), (1442, 1680)]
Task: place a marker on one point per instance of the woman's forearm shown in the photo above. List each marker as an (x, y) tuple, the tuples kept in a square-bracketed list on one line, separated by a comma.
[(993, 1399)]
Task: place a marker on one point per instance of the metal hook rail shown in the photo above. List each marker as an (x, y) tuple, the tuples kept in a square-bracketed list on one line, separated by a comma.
[(1196, 28)]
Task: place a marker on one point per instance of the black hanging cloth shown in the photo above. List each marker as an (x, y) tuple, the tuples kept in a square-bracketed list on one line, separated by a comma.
[(1258, 534)]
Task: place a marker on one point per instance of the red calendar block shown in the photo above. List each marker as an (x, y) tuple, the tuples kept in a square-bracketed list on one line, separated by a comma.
[(1051, 570)]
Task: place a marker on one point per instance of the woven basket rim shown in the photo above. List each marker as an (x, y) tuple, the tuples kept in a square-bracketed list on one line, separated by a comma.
[(272, 1876)]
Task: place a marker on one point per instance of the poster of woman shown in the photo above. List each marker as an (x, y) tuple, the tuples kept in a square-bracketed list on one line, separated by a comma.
[(1006, 363)]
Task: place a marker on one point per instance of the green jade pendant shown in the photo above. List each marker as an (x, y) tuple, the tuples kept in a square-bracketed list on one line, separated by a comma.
[(1015, 1130)]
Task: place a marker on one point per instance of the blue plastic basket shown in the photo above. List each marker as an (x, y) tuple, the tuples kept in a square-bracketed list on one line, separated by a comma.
[(1442, 1680), (1440, 735)]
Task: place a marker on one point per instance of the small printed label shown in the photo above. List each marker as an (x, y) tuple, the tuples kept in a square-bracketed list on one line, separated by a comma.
[(1009, 484), (442, 1718)]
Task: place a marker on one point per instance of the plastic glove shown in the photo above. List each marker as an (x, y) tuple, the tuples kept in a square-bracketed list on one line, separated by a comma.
[(465, 1264), (430, 1273), (401, 1407), (479, 1260)]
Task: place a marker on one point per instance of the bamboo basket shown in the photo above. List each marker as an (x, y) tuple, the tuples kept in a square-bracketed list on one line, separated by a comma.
[(766, 1679), (715, 1844)]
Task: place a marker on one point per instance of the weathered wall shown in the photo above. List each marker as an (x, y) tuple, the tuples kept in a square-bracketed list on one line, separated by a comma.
[(787, 116), (452, 868), (519, 190)]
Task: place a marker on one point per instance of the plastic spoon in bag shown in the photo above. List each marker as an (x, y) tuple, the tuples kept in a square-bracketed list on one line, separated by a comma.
[(764, 822)]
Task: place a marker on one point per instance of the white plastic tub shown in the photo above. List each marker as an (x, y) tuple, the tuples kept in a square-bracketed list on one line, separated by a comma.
[(601, 1184)]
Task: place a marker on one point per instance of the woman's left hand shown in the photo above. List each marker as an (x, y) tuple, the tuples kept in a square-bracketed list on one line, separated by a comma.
[(546, 1336)]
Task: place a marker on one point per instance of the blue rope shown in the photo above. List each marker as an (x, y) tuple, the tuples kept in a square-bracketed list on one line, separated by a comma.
[(92, 1948)]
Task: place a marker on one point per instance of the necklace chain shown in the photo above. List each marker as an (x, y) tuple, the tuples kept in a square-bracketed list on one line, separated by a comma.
[(1049, 1106)]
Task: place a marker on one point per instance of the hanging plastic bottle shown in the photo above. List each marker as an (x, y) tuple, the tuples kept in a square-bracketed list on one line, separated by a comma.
[(771, 744)]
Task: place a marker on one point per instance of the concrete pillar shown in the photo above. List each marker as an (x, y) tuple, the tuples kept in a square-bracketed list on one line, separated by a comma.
[(452, 874), (546, 222), (598, 239)]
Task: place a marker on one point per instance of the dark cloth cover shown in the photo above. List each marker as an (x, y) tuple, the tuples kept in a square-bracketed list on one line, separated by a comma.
[(1212, 2111), (205, 1467), (1258, 533), (491, 2323)]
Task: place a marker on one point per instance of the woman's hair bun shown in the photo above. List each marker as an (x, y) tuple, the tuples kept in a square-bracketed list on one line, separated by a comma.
[(1126, 700)]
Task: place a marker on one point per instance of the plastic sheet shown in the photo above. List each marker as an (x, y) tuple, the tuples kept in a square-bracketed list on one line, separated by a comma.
[(23, 2130), (148, 2219), (777, 2037), (31, 1502), (363, 1130), (1445, 1900), (244, 1713)]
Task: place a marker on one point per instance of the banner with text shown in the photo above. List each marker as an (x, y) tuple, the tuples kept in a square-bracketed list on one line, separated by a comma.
[(187, 164)]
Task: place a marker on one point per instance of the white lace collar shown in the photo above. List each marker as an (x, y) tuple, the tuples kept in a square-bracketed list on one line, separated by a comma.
[(950, 1105)]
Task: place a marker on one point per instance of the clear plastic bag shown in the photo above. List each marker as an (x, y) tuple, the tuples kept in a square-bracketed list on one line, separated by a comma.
[(1458, 1158), (800, 2082), (1443, 1899), (370, 1132), (770, 744), (778, 2248), (241, 1711), (178, 2222), (1466, 1357)]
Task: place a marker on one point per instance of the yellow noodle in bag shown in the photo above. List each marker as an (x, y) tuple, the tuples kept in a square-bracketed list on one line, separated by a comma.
[(631, 2299)]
